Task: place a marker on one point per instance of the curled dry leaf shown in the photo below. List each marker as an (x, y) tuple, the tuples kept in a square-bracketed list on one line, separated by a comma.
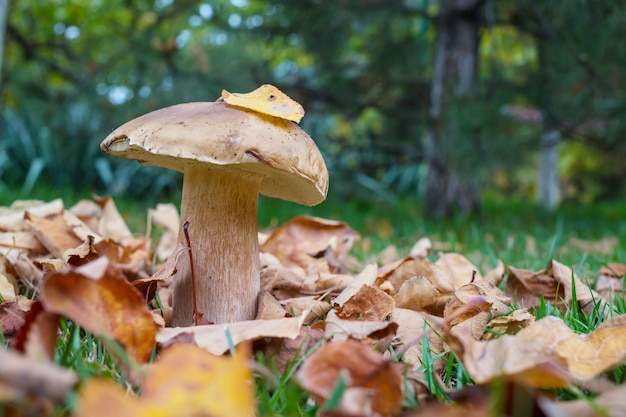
[(458, 268), (12, 218), (98, 298), (185, 377), (554, 285), (213, 337), (591, 354), (521, 358), (30, 379), (296, 242), (611, 280), (54, 233), (610, 403), (269, 307), (37, 338), (166, 217), (376, 330), (111, 225), (509, 324), (401, 271), (267, 99), (368, 304), (547, 353), (413, 327), (375, 380)]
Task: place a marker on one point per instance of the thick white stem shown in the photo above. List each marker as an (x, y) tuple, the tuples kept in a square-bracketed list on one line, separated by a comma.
[(221, 207)]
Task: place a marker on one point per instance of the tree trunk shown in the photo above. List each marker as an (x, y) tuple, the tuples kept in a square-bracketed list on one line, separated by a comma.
[(4, 11), (548, 192), (450, 188)]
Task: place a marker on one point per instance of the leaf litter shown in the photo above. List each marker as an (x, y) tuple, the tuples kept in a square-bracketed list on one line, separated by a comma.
[(365, 338)]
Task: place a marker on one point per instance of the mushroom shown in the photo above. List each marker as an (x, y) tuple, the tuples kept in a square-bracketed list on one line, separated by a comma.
[(228, 156)]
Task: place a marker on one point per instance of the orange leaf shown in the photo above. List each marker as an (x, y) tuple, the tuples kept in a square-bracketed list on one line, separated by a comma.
[(374, 380), (98, 298), (297, 242), (267, 99)]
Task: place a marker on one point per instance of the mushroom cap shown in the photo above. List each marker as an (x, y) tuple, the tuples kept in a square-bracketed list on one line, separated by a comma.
[(192, 134)]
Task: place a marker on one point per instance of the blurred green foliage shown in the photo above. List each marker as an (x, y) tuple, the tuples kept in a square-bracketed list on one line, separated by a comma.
[(74, 70)]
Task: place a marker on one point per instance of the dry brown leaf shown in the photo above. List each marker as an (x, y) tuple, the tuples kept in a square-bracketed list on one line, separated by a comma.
[(407, 268), (413, 327), (611, 280), (12, 316), (524, 358), (419, 294), (12, 218), (281, 281), (37, 338), (610, 403), (375, 381), (111, 224), (509, 324), (31, 379), (185, 380), (54, 233), (166, 217), (7, 288), (366, 277), (591, 354), (368, 304), (555, 286), (213, 338), (458, 268), (585, 296), (20, 240), (269, 308), (97, 297), (285, 352), (312, 306), (339, 329), (421, 248), (297, 242)]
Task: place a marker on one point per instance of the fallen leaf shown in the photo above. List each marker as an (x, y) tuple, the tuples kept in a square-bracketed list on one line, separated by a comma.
[(54, 233), (413, 329), (373, 379), (37, 338), (185, 380), (611, 280), (12, 218), (401, 271), (524, 358), (591, 354), (111, 224), (166, 217), (368, 304), (213, 337), (267, 99), (98, 298), (28, 378), (297, 241), (376, 330), (610, 403), (458, 268)]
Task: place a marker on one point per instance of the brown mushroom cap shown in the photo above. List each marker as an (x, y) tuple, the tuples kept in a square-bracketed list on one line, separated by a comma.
[(191, 134)]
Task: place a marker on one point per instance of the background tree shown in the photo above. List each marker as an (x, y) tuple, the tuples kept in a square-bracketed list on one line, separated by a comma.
[(385, 96)]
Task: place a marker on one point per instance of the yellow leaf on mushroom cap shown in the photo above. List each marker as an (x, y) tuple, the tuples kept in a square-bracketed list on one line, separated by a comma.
[(267, 99)]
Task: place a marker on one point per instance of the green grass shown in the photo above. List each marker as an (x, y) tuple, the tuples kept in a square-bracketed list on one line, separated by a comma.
[(520, 234)]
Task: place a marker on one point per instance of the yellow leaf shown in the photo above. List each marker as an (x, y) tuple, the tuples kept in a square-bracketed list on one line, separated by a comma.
[(186, 380), (267, 99)]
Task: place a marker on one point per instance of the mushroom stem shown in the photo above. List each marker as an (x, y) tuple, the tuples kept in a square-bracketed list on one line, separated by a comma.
[(221, 208)]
